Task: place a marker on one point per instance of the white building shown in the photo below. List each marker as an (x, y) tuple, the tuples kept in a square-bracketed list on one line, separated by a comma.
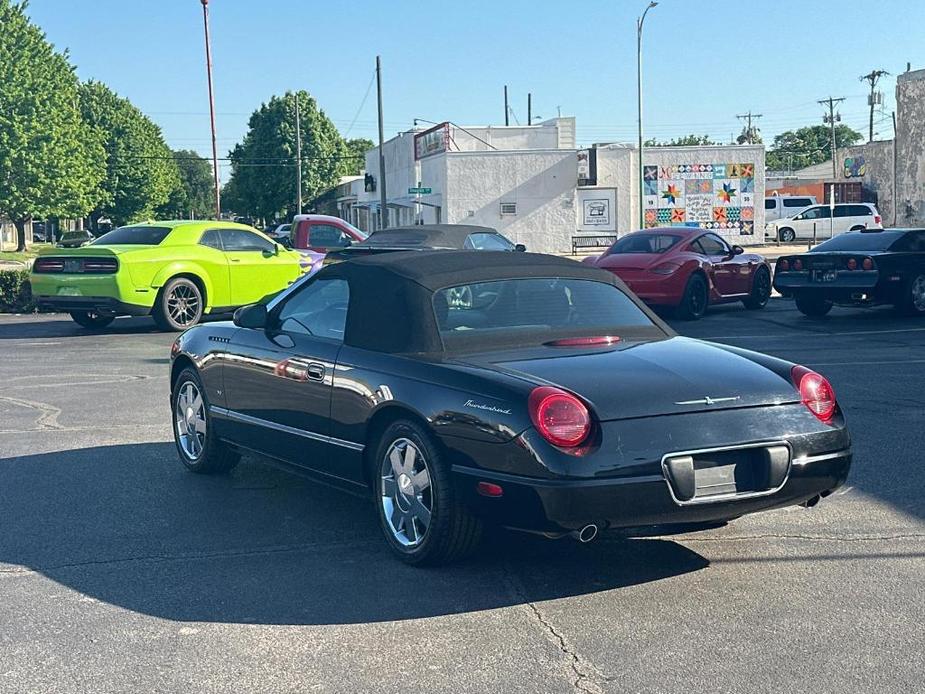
[(534, 185)]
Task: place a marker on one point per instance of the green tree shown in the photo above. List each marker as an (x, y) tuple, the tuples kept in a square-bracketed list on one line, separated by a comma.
[(685, 141), (356, 151), (796, 149), (50, 161), (195, 193), (263, 174), (140, 168)]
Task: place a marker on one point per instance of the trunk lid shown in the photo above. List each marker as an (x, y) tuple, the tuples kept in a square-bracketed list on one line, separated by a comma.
[(628, 261), (645, 379)]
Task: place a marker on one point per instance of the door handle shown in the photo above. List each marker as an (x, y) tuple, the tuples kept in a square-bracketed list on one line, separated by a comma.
[(300, 370), (315, 371)]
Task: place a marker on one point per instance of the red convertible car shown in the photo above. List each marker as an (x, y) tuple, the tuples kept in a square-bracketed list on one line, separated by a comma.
[(688, 269)]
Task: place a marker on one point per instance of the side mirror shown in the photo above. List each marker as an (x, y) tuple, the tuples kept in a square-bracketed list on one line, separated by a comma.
[(253, 316), (737, 250), (520, 248), (267, 253)]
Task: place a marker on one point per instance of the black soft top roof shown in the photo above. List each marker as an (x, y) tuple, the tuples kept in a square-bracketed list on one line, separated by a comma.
[(391, 305), (438, 236)]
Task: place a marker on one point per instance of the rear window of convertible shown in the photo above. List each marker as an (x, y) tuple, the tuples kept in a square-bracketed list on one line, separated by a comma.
[(133, 236), (546, 307)]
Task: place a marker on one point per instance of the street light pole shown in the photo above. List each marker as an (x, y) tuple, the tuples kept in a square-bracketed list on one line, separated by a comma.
[(205, 21), (639, 104), (298, 158)]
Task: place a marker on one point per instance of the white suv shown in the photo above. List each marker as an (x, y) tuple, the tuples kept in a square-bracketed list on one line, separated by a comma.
[(817, 222)]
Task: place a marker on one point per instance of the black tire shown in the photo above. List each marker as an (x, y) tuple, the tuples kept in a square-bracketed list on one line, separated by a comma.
[(212, 455), (179, 305), (761, 290), (912, 302), (695, 300), (857, 227), (452, 531), (813, 306), (786, 235), (92, 319)]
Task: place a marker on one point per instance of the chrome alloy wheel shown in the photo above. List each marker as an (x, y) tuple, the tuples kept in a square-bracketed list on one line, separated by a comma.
[(183, 305), (406, 496), (918, 293), (190, 420)]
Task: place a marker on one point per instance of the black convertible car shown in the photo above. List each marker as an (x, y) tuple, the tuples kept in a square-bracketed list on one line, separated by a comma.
[(859, 268), (551, 400)]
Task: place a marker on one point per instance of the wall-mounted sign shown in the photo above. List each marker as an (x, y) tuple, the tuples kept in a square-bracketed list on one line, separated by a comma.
[(597, 209), (419, 191), (587, 167), (855, 167), (433, 141)]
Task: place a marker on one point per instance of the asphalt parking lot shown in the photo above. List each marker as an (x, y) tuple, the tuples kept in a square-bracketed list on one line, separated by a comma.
[(119, 571)]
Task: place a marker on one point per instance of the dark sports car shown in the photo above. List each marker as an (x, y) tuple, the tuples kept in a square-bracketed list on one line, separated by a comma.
[(858, 268), (427, 237), (552, 401)]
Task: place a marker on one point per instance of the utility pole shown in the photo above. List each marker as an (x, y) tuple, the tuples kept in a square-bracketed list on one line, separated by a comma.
[(642, 184), (529, 108), (507, 110), (218, 198), (831, 118), (298, 158), (383, 198), (875, 98), (748, 132)]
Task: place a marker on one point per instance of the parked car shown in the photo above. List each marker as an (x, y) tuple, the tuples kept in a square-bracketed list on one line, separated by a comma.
[(174, 271), (860, 268), (777, 206), (687, 269), (280, 233), (316, 235), (848, 217), (560, 404), (75, 239)]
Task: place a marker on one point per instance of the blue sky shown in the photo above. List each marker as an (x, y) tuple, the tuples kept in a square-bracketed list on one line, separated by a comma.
[(704, 61)]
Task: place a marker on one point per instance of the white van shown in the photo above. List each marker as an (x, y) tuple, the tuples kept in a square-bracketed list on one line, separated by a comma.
[(777, 206), (848, 217)]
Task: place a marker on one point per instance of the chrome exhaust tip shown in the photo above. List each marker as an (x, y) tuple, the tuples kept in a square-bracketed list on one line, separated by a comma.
[(586, 534)]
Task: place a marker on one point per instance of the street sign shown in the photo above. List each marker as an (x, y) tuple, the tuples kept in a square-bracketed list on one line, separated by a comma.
[(419, 191)]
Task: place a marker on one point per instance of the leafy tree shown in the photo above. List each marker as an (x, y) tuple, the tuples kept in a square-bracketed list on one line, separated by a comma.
[(807, 146), (686, 141), (140, 169), (50, 161), (356, 151), (263, 176), (195, 193)]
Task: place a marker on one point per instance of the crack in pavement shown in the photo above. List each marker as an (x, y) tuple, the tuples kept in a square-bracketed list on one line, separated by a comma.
[(48, 414), (586, 676), (191, 556)]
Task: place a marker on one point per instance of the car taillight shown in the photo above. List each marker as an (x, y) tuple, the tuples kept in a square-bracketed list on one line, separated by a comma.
[(594, 341), (665, 268), (99, 265), (868, 264), (48, 265), (783, 265), (852, 264), (797, 264), (816, 392), (560, 417), (877, 219)]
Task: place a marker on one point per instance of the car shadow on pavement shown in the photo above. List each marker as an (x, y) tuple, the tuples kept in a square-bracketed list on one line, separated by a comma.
[(128, 526), (58, 325)]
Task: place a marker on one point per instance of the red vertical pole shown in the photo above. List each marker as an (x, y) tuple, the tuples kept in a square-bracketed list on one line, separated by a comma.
[(205, 21)]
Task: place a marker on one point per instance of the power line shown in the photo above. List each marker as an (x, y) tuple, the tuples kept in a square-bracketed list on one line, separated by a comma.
[(832, 118), (362, 104), (749, 134)]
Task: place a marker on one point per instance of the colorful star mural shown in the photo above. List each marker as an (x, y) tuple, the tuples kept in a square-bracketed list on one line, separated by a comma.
[(726, 193), (671, 194)]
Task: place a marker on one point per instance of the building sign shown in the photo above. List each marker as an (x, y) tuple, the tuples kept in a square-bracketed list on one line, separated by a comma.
[(709, 196), (433, 141), (597, 209), (855, 167), (587, 167)]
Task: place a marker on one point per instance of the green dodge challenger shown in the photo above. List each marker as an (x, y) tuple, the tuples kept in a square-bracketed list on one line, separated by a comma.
[(174, 271)]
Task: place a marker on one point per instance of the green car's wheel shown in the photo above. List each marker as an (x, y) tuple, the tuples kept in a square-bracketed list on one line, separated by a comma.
[(92, 319), (179, 305)]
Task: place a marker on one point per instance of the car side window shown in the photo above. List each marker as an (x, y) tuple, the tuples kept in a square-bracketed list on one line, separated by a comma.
[(241, 240), (819, 212), (769, 204), (912, 242), (327, 236), (212, 239), (318, 309), (860, 211), (484, 241), (710, 244)]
